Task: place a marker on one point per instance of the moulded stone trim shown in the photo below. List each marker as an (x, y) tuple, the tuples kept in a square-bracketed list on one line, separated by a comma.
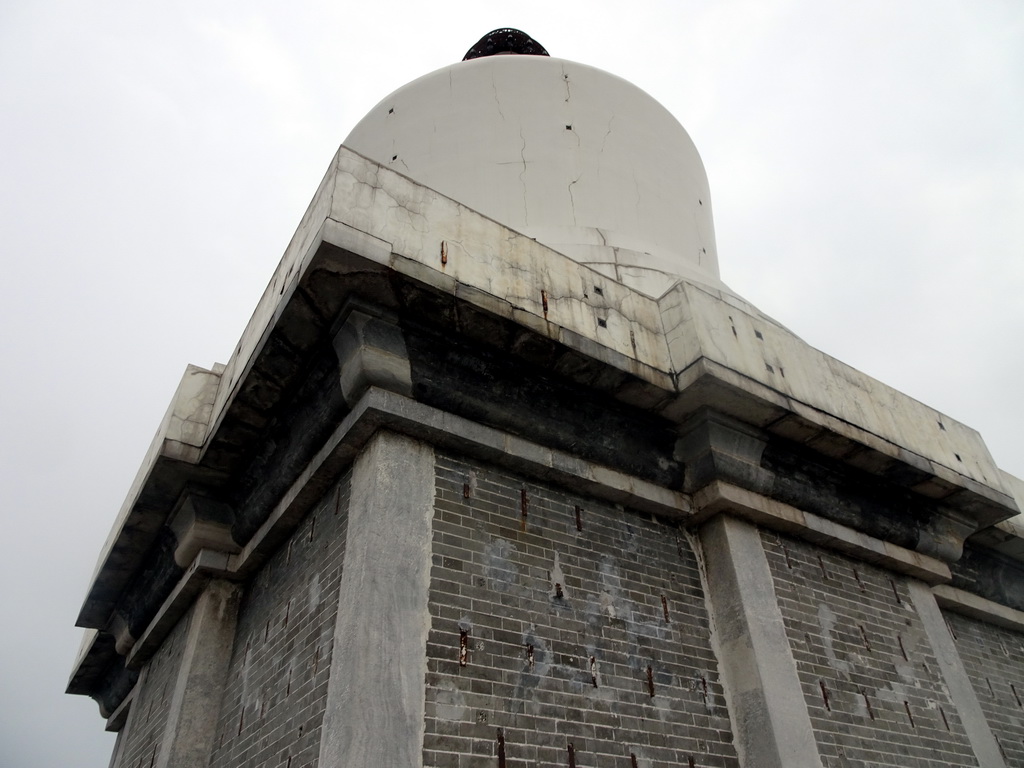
[(957, 600), (720, 497)]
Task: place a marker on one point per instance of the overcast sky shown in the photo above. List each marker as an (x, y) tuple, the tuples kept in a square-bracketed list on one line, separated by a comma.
[(866, 163)]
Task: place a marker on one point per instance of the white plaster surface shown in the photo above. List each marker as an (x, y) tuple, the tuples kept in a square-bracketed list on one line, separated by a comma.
[(491, 260), (575, 157)]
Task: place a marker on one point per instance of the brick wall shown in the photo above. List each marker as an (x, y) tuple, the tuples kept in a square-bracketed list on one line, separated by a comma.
[(149, 710), (277, 681), (565, 632), (992, 656), (872, 685)]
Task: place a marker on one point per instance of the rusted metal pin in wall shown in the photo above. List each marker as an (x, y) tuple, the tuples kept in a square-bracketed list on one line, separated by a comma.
[(867, 703), (650, 680), (824, 571), (910, 716), (860, 584), (524, 508), (864, 636), (463, 647), (895, 592), (444, 253)]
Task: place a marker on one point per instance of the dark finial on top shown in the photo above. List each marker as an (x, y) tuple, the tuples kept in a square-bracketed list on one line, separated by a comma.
[(505, 40)]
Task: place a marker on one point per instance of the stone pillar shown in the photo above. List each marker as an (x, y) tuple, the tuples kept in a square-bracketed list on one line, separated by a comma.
[(771, 725), (195, 704), (955, 676), (375, 698)]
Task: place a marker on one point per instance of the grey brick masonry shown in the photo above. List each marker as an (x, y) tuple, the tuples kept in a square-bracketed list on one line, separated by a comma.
[(149, 710), (277, 682), (564, 632), (870, 679), (992, 656)]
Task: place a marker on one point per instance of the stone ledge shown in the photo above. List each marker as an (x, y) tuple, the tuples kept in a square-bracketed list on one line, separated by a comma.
[(350, 231), (177, 444), (381, 409), (119, 716), (958, 601), (718, 497)]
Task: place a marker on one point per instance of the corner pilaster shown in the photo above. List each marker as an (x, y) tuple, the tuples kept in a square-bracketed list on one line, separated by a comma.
[(195, 704), (770, 721), (375, 698)]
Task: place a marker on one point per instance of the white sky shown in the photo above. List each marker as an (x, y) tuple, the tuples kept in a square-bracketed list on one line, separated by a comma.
[(867, 172)]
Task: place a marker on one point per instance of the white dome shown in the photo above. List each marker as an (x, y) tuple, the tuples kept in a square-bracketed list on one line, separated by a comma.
[(583, 161)]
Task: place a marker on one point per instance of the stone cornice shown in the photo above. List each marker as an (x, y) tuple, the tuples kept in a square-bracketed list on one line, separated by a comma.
[(373, 236)]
